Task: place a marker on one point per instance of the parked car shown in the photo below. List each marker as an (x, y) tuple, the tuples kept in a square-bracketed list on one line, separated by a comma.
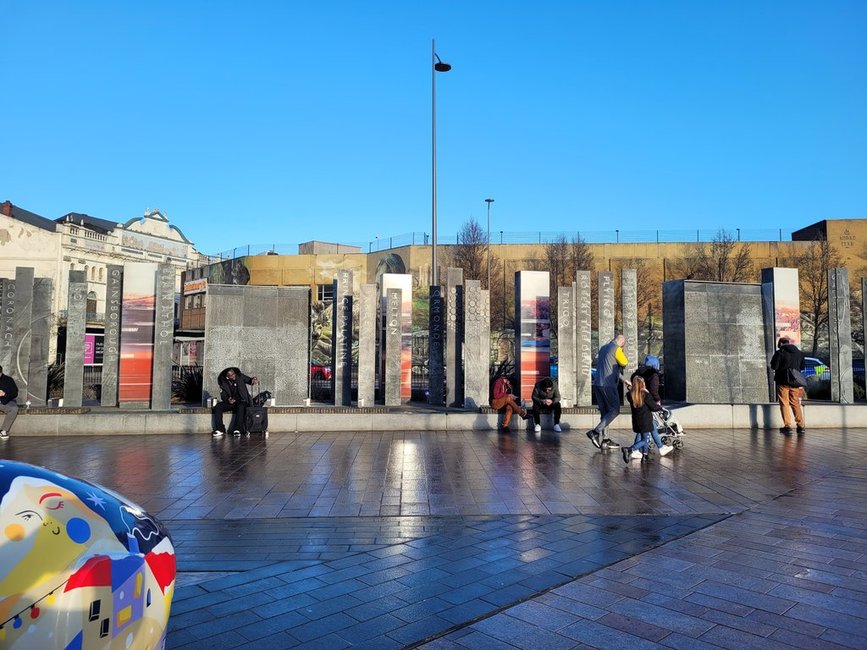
[(319, 372)]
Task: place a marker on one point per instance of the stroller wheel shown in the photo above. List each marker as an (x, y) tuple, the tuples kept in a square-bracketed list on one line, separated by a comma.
[(678, 444), (666, 440)]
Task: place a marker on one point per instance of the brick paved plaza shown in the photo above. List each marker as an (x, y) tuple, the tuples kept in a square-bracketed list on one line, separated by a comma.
[(473, 539)]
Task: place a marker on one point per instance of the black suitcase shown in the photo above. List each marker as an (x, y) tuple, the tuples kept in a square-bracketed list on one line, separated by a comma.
[(257, 419)]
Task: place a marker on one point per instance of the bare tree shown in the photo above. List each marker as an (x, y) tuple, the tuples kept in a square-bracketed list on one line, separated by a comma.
[(723, 260), (471, 254), (471, 251), (562, 259), (813, 263)]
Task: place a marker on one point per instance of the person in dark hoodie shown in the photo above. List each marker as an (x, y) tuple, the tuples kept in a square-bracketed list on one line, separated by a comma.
[(8, 405), (788, 357), (649, 371), (234, 397)]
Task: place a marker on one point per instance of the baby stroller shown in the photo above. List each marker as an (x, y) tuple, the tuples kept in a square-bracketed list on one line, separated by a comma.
[(670, 431)]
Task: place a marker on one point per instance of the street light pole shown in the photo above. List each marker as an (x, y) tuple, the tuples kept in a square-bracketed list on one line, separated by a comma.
[(489, 201), (436, 66)]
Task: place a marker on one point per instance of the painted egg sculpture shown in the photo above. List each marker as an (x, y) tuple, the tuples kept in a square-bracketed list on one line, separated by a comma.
[(80, 566)]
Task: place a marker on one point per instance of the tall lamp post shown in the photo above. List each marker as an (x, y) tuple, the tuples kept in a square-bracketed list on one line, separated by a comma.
[(437, 66), (489, 201)]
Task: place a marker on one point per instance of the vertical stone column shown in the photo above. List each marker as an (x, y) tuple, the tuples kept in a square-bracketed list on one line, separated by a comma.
[(22, 305), (73, 374), (164, 334), (292, 347), (436, 347), (7, 306), (393, 330), (475, 376), (367, 345), (566, 345), (454, 337), (583, 339), (486, 342), (341, 339), (111, 342), (606, 307), (40, 337), (629, 306), (840, 334)]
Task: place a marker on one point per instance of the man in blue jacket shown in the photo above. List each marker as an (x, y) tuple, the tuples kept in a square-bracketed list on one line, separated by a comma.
[(610, 364)]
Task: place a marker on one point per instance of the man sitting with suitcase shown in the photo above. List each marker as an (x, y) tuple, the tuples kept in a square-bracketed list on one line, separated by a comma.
[(234, 397)]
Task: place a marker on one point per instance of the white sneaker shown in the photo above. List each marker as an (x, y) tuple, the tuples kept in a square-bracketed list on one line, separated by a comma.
[(4, 435), (635, 454), (537, 428), (217, 434), (557, 428), (665, 449), (236, 433)]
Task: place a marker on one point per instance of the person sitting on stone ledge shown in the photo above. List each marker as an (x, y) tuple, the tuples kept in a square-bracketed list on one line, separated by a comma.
[(546, 399), (234, 397), (504, 399), (8, 405)]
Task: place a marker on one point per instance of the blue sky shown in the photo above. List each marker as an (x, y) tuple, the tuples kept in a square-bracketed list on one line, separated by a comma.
[(280, 122)]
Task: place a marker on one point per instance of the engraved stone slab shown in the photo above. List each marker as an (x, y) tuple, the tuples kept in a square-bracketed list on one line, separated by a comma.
[(367, 345), (454, 337), (164, 334), (714, 330), (840, 333), (583, 339), (341, 339), (393, 331), (19, 364), (629, 306), (291, 349), (73, 375), (475, 375), (486, 341), (566, 345), (436, 347), (40, 337), (7, 299), (111, 346), (606, 307)]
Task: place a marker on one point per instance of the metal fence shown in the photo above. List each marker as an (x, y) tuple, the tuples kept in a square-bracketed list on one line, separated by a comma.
[(538, 237)]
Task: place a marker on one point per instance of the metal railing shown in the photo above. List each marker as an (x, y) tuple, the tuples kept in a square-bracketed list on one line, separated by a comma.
[(503, 237)]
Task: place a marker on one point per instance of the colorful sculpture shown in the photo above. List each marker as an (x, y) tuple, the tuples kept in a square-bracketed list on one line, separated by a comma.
[(80, 567)]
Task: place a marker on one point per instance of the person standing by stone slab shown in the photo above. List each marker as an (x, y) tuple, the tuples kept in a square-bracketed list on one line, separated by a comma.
[(787, 358), (8, 405), (611, 362)]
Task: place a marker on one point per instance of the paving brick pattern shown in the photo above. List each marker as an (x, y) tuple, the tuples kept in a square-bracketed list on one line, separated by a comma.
[(453, 540)]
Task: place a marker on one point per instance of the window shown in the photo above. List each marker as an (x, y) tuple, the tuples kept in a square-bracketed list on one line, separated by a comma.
[(325, 292)]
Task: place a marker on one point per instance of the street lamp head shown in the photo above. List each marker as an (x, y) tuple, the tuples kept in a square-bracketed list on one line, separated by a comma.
[(489, 201), (440, 65)]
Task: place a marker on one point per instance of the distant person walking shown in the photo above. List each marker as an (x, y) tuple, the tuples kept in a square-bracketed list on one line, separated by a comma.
[(786, 359), (8, 405), (610, 364), (503, 398)]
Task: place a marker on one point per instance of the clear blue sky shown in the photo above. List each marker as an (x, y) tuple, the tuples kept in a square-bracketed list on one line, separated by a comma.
[(259, 122)]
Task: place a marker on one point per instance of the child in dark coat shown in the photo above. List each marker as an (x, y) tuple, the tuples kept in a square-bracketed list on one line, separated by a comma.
[(643, 405)]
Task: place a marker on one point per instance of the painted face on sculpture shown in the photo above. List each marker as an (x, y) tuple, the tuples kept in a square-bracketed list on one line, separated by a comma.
[(43, 529)]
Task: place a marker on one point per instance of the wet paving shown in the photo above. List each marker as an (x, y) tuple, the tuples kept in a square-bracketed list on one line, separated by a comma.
[(474, 539)]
